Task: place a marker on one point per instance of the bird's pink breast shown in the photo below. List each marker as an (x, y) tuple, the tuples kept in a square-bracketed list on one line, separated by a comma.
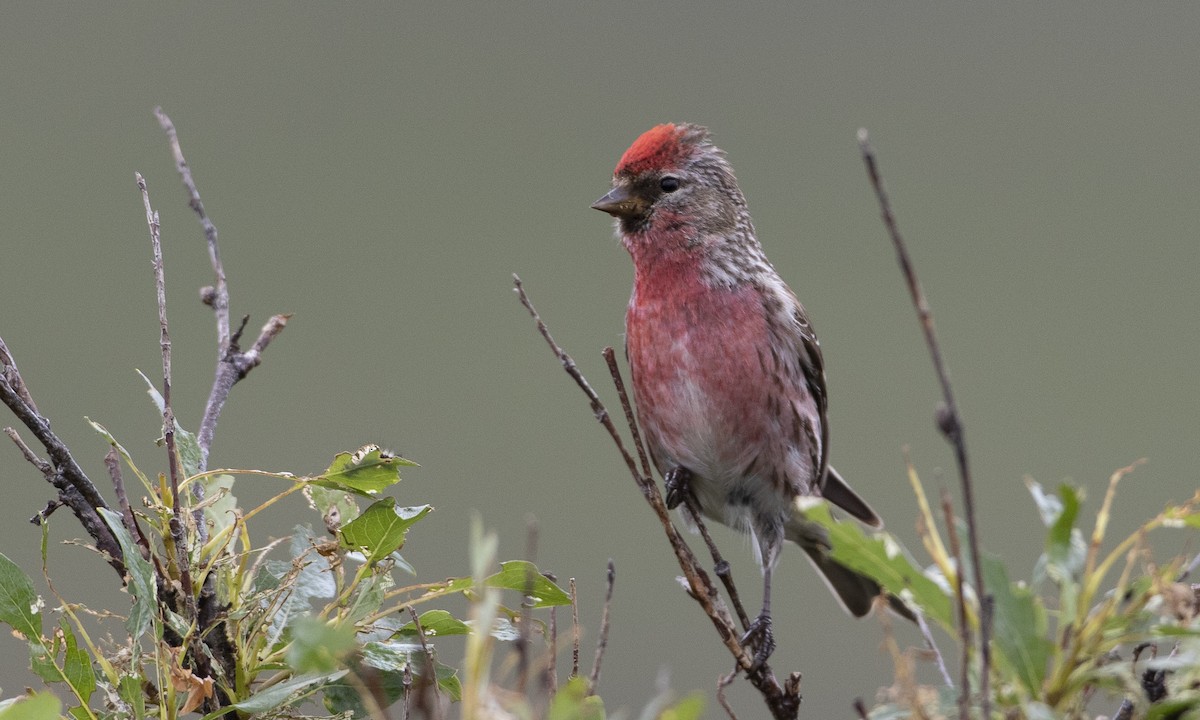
[(699, 357)]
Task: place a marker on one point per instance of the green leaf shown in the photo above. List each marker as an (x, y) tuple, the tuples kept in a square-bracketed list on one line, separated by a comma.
[(689, 708), (1065, 549), (525, 578), (141, 577), (41, 661), (319, 647), (344, 698), (1019, 625), (573, 702), (380, 530), (77, 665), (435, 623), (313, 580), (1172, 708), (882, 559), (20, 606), (285, 692), (337, 507), (185, 442), (131, 691), (369, 595), (39, 706), (124, 453), (220, 505), (364, 472)]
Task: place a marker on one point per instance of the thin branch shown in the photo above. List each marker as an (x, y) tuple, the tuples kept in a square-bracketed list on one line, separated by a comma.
[(47, 472), (430, 675), (602, 641), (948, 420), (220, 298), (232, 363), (550, 671), (720, 566), (160, 290), (75, 489), (782, 701), (112, 461), (723, 682), (574, 592)]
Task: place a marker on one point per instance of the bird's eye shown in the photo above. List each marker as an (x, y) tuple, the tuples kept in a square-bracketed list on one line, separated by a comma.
[(670, 183)]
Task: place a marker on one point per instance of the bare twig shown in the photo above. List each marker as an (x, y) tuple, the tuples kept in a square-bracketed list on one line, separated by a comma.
[(720, 566), (723, 682), (75, 489), (232, 363), (112, 461), (783, 701), (430, 674), (574, 592), (550, 671), (927, 634), (160, 289), (948, 420), (220, 299), (602, 641)]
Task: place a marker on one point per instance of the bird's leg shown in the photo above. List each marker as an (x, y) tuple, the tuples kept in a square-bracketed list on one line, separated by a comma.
[(759, 636), (677, 482)]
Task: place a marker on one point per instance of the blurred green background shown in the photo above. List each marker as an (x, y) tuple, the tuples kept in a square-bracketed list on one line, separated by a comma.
[(381, 170)]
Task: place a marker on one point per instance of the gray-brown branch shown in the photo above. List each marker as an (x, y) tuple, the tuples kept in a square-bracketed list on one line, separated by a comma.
[(948, 420), (783, 701), (75, 489)]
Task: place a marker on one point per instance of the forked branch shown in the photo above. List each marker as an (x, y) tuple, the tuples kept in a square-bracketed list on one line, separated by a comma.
[(783, 700)]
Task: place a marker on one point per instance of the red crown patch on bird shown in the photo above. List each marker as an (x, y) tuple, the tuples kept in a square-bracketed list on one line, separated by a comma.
[(659, 147)]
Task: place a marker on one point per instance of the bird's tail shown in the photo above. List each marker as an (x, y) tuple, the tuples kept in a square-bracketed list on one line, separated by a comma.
[(855, 591)]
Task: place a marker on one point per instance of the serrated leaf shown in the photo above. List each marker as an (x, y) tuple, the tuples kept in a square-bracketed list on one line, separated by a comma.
[(364, 472), (313, 580), (131, 691), (141, 577), (435, 623), (380, 530), (1019, 621), (283, 693), (882, 559), (525, 578), (41, 661), (368, 597), (20, 606), (390, 656), (77, 664), (337, 507), (39, 706)]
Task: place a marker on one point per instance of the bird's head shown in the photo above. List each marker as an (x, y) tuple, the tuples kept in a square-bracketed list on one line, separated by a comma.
[(673, 180)]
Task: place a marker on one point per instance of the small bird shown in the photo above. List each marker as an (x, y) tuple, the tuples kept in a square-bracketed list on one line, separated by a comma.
[(727, 371)]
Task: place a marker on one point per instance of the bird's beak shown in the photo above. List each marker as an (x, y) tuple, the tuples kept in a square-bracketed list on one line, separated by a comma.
[(618, 202)]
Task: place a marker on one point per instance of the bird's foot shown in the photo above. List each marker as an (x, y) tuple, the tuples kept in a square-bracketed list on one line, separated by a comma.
[(760, 639), (677, 482)]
